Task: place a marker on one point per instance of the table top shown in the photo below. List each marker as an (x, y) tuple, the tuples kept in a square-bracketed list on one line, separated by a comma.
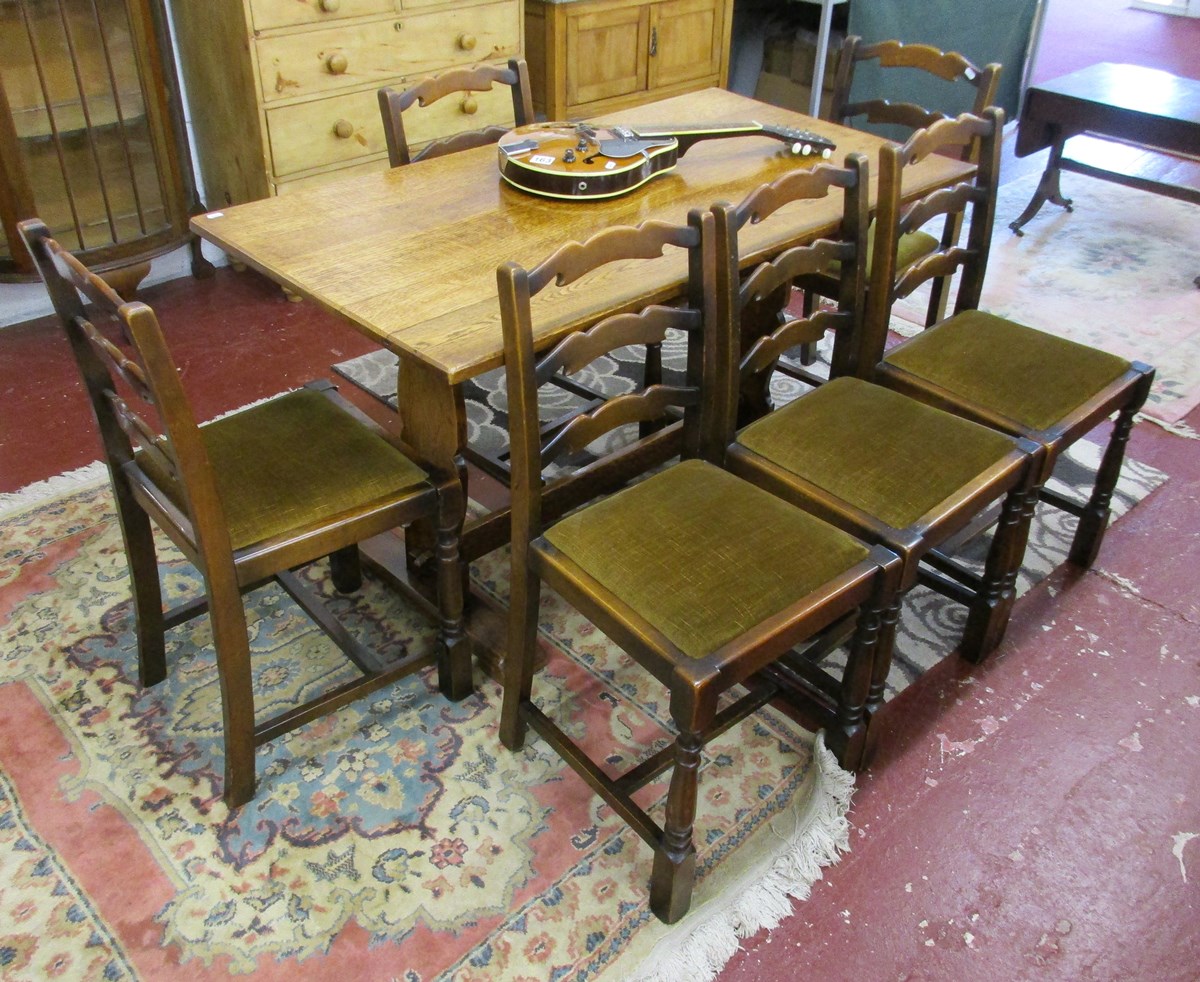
[(408, 255), (1131, 88), (1127, 102)]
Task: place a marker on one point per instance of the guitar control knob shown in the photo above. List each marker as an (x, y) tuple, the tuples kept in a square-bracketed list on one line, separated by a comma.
[(582, 145), (569, 157), (337, 63)]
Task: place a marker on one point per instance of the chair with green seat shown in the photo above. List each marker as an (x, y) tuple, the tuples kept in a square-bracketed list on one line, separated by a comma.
[(707, 582), (958, 86), (986, 368), (248, 498), (887, 468)]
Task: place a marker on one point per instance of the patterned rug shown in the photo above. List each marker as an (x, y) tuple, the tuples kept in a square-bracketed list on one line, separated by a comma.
[(395, 840), (1115, 273)]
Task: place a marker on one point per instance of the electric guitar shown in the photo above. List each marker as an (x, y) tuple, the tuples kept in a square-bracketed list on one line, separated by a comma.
[(583, 162)]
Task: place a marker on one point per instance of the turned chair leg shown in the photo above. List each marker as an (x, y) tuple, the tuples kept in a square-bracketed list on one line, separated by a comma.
[(847, 741), (674, 872), (987, 620), (454, 657), (1085, 546), (345, 569)]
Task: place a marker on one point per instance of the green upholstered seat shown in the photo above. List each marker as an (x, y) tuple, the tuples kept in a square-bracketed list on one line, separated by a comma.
[(703, 555), (294, 460), (1028, 375), (912, 246), (891, 456)]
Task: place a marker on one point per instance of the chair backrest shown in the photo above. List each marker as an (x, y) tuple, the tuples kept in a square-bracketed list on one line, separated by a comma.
[(973, 198), (532, 448), (479, 78), (737, 292), (949, 66), (135, 391)]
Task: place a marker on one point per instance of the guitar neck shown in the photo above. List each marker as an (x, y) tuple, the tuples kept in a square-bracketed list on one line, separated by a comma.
[(688, 136)]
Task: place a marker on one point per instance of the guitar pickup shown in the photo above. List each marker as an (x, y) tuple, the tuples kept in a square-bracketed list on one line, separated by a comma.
[(524, 146)]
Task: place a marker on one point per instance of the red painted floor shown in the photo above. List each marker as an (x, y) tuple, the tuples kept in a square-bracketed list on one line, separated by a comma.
[(1037, 817)]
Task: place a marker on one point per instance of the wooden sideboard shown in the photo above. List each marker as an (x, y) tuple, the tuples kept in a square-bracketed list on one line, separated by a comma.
[(593, 56), (282, 92)]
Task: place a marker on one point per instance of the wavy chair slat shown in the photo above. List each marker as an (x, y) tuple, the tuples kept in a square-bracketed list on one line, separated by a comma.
[(478, 78), (649, 326), (799, 185), (576, 259)]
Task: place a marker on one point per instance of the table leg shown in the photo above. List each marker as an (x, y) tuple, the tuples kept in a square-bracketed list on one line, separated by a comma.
[(433, 422), (1048, 189)]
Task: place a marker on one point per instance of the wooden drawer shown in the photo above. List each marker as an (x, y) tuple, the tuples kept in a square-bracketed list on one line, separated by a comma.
[(347, 127), (354, 170), (314, 62), (270, 14)]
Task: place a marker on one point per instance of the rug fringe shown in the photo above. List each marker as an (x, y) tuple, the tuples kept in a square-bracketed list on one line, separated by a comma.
[(824, 834), (1179, 428), (32, 494)]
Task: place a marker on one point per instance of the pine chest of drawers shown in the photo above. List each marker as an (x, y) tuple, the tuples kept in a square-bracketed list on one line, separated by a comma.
[(282, 92)]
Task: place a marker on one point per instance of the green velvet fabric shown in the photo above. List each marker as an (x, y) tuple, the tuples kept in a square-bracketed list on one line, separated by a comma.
[(294, 460), (912, 246), (703, 555), (1030, 376), (885, 453)]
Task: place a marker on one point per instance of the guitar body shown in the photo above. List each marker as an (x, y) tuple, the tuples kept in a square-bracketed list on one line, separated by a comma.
[(582, 162)]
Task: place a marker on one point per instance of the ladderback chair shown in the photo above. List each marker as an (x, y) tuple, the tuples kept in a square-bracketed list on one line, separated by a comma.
[(247, 498), (949, 66), (706, 581), (889, 469), (978, 87), (987, 368), (480, 78)]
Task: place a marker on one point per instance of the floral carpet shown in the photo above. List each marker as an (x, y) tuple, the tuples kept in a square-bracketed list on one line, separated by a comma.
[(395, 839), (1116, 272)]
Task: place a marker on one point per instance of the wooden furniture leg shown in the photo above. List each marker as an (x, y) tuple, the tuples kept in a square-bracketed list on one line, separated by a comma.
[(1048, 188)]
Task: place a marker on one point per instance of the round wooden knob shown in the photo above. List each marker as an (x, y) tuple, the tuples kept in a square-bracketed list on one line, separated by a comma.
[(330, 6), (470, 105), (336, 63), (344, 129), (466, 42)]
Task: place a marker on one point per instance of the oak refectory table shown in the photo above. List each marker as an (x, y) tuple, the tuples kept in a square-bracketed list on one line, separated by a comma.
[(409, 256)]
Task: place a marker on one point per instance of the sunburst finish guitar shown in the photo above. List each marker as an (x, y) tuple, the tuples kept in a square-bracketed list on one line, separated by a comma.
[(581, 162)]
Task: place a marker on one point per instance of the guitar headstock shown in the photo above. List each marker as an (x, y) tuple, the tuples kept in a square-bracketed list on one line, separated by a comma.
[(803, 143)]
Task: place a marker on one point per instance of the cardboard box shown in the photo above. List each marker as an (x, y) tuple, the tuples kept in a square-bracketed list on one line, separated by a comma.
[(780, 90)]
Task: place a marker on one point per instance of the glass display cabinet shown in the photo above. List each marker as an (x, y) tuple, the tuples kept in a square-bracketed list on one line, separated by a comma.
[(92, 139)]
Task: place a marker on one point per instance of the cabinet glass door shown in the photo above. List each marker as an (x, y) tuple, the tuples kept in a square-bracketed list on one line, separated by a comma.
[(76, 138)]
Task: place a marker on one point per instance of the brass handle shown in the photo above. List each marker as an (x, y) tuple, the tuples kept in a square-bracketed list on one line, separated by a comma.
[(470, 105), (336, 63), (467, 42), (343, 129), (330, 6), (653, 41)]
